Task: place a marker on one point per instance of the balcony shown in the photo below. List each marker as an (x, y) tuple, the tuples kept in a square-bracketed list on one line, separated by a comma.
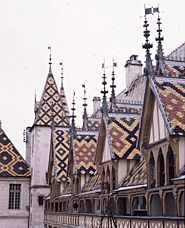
[(53, 220)]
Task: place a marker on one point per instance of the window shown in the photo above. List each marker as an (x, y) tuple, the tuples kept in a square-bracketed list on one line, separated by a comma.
[(41, 200), (14, 196)]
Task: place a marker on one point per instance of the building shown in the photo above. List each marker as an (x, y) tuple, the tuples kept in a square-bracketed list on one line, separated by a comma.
[(132, 172), (14, 185)]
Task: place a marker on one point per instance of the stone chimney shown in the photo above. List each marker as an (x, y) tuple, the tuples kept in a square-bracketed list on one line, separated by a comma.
[(133, 69), (96, 105)]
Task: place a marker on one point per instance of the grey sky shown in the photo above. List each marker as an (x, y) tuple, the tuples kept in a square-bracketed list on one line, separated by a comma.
[(81, 33)]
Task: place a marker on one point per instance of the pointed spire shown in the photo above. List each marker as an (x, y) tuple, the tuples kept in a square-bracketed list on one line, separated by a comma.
[(104, 91), (149, 67), (73, 114), (159, 56), (50, 63), (85, 107), (113, 86), (62, 75)]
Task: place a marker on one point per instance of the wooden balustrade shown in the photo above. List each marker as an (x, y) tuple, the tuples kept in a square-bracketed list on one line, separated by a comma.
[(60, 220)]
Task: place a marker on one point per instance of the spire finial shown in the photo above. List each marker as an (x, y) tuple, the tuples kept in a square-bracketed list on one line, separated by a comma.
[(73, 114), (0, 123), (85, 102), (62, 75), (104, 91), (50, 63), (159, 56), (149, 67), (113, 86)]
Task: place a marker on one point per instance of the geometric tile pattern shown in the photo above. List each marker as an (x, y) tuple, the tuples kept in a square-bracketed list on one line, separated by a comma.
[(128, 110), (172, 96), (61, 153), (51, 103), (175, 71), (11, 162), (137, 175), (93, 124), (85, 148), (93, 183), (64, 101), (124, 133)]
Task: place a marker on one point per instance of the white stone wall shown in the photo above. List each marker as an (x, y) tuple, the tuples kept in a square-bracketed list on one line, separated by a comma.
[(40, 148), (10, 218)]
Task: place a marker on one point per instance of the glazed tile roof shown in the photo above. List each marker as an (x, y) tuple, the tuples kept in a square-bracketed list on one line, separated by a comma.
[(61, 152), (172, 97), (64, 101), (137, 175), (51, 103), (93, 124), (93, 183), (128, 108), (123, 134), (11, 162), (84, 149), (175, 69)]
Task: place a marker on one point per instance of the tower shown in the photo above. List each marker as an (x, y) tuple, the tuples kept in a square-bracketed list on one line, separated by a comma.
[(49, 111)]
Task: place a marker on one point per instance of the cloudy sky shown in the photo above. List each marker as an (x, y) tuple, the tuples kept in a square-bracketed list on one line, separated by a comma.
[(81, 33)]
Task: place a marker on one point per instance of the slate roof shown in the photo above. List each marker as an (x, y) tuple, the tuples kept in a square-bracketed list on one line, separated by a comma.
[(84, 152), (61, 145), (123, 132), (137, 175), (172, 97), (51, 103), (12, 163)]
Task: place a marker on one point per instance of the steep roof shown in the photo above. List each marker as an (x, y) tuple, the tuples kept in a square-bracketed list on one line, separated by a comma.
[(137, 175), (93, 124), (61, 138), (172, 97), (123, 133), (84, 152), (12, 163), (178, 54), (64, 101), (51, 103)]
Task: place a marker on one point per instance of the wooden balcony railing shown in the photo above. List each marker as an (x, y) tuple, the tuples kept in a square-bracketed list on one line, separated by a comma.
[(53, 219)]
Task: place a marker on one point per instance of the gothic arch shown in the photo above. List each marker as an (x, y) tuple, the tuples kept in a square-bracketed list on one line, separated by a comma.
[(88, 205), (181, 204), (122, 205), (170, 161), (160, 169), (152, 179), (169, 205), (82, 206), (156, 205)]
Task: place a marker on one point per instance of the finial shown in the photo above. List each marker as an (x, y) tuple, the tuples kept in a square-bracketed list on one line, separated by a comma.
[(0, 123), (84, 103), (149, 67), (159, 56), (62, 75), (50, 63), (104, 91), (113, 86), (73, 114)]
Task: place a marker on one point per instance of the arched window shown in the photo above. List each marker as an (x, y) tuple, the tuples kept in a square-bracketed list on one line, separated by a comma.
[(169, 202), (112, 206), (181, 204), (139, 206), (89, 206), (104, 205), (64, 206), (152, 181), (171, 165), (82, 207), (161, 172), (156, 205), (122, 206), (113, 179)]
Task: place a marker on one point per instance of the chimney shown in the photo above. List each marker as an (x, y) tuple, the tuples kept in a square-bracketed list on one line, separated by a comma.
[(133, 68), (96, 105)]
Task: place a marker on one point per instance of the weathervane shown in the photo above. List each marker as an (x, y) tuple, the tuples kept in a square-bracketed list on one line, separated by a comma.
[(62, 74)]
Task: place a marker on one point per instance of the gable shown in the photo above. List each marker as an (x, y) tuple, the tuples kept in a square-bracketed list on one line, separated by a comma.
[(158, 129), (12, 163), (51, 105)]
